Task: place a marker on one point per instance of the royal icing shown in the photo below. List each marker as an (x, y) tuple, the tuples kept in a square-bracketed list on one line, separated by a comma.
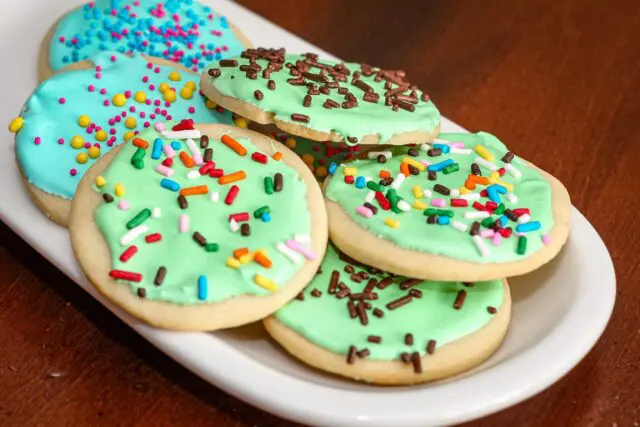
[(368, 313), (75, 117), (182, 31), (200, 219), (353, 100), (464, 197)]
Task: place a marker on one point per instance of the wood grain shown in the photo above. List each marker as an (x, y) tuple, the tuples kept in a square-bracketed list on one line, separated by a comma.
[(559, 81)]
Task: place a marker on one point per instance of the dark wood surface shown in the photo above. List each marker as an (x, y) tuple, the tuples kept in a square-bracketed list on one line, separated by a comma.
[(558, 80)]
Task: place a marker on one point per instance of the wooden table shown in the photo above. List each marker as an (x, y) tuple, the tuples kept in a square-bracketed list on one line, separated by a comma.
[(558, 80)]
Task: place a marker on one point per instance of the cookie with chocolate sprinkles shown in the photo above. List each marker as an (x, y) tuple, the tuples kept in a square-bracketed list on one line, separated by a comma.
[(390, 329), (323, 100)]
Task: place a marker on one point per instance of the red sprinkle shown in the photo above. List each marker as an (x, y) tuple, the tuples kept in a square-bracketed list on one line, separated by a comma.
[(349, 179), (151, 238), (479, 206), (231, 195), (259, 157), (128, 253), (382, 201), (502, 171), (216, 173), (483, 193), (126, 275), (505, 232), (459, 203), (521, 211), (168, 162), (239, 217), (186, 124), (204, 169), (491, 205)]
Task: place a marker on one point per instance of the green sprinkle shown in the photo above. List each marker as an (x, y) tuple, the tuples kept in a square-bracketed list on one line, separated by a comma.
[(396, 209), (444, 212), (138, 164), (487, 222), (268, 185), (430, 212), (392, 194), (500, 209), (211, 247), (451, 168), (374, 186), (142, 216), (138, 155), (522, 245), (260, 211)]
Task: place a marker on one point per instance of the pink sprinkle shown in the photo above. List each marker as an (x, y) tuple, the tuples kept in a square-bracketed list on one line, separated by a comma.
[(103, 91), (168, 150), (147, 124), (364, 211), (123, 114), (487, 233), (37, 140), (149, 65), (132, 109), (163, 113), (112, 131), (113, 58), (106, 103), (97, 144), (62, 100), (301, 249), (61, 39), (192, 110), (157, 103), (457, 145), (160, 126), (123, 205), (73, 172), (169, 117), (90, 130), (127, 94), (152, 116), (60, 141), (167, 104), (426, 163), (546, 239), (112, 122), (145, 79), (497, 239), (98, 75), (87, 145), (440, 203), (157, 110), (183, 223), (156, 70), (147, 102), (143, 114), (92, 88), (117, 119), (152, 87), (98, 68)]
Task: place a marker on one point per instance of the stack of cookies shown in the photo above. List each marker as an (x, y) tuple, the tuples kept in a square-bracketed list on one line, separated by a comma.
[(174, 172)]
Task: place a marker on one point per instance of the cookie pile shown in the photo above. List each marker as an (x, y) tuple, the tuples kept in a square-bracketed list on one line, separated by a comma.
[(187, 171)]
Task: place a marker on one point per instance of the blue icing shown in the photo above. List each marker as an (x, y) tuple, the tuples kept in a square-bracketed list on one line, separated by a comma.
[(48, 164), (148, 27)]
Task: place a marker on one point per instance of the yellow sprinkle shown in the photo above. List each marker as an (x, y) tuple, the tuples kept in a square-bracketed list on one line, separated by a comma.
[(100, 181), (84, 121), (350, 171), (494, 175), (130, 122), (82, 158), (321, 171), (16, 124), (246, 258), (241, 122), (291, 143), (94, 152), (163, 87), (119, 100), (170, 95), (233, 263), (484, 153), (417, 192), (128, 135), (77, 141), (101, 135), (506, 185), (191, 85), (308, 159), (119, 189), (175, 76), (186, 93), (419, 205), (210, 104), (140, 96), (464, 190), (265, 283), (414, 163), (391, 222)]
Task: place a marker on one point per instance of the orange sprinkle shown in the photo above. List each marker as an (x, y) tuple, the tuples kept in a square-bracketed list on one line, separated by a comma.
[(262, 259), (238, 253), (138, 142), (233, 144), (277, 156), (470, 185), (385, 174), (192, 191), (186, 159), (404, 168), (232, 177), (482, 180)]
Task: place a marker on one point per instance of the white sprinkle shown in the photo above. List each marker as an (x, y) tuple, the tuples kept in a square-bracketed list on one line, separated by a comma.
[(460, 226), (156, 213), (293, 256), (302, 238), (482, 248), (454, 193), (523, 219), (214, 196), (470, 196), (371, 155), (512, 170), (425, 147), (398, 181), (404, 206), (512, 198), (367, 179), (370, 196), (181, 134), (427, 193), (133, 234), (195, 151), (233, 225), (487, 164), (476, 214), (441, 141), (465, 151), (193, 175)]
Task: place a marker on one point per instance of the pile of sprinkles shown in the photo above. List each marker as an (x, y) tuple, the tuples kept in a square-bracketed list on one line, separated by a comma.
[(375, 314), (353, 100), (473, 188), (220, 210), (73, 118), (182, 31)]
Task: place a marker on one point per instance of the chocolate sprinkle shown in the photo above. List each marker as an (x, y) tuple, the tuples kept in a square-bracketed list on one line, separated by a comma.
[(416, 293), (258, 95), (107, 197), (300, 118), (378, 313), (333, 284), (208, 155), (475, 228), (228, 63), (199, 238), (271, 85), (406, 284), (406, 358), (364, 319), (300, 296), (408, 339), (385, 282), (371, 207), (349, 269), (214, 72), (316, 293), (462, 295), (508, 157), (182, 202), (307, 101), (277, 182), (353, 313), (363, 353), (432, 176), (417, 362), (351, 356), (376, 339), (439, 188), (204, 141), (475, 169), (142, 292), (245, 229), (399, 302), (160, 274), (431, 346), (492, 310)]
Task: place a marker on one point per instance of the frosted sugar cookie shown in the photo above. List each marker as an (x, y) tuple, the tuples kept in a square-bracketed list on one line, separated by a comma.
[(464, 208), (199, 228), (75, 117), (322, 100), (359, 322), (185, 32)]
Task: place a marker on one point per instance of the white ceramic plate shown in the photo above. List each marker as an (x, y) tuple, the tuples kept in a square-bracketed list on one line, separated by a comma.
[(558, 312)]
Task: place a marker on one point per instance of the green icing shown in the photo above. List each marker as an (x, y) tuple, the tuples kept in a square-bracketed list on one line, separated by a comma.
[(366, 119), (183, 258), (532, 190), (430, 317)]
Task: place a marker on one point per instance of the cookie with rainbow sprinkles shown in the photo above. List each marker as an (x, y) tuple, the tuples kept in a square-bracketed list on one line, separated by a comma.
[(199, 227), (461, 208), (185, 32), (386, 329), (322, 100), (75, 117)]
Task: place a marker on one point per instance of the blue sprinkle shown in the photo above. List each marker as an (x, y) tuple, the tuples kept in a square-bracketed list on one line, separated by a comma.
[(176, 145), (443, 147), (332, 168), (493, 194), (266, 217), (202, 288), (169, 184), (360, 182), (528, 226), (443, 220), (503, 221), (156, 152), (437, 167), (499, 188)]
